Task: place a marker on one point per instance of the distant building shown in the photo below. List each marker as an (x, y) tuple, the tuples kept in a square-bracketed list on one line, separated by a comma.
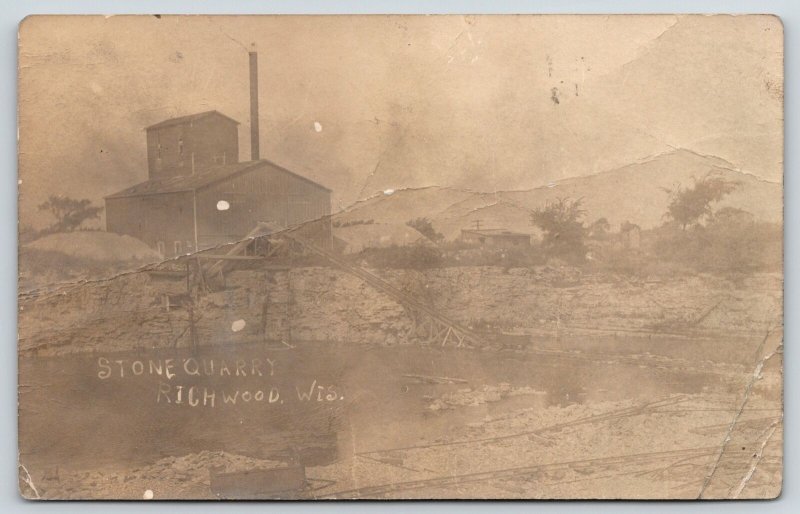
[(199, 195), (495, 238), (630, 235)]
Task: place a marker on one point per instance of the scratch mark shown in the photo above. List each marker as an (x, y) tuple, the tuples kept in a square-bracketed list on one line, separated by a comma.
[(757, 459), (233, 39), (369, 177), (753, 378)]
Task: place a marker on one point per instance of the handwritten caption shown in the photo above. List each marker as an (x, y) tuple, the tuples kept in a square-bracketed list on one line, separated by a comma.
[(170, 375)]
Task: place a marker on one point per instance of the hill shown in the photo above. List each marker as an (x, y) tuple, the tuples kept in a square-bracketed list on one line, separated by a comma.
[(634, 193)]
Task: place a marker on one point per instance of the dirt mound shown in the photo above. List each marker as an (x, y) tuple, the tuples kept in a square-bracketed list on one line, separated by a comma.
[(96, 245)]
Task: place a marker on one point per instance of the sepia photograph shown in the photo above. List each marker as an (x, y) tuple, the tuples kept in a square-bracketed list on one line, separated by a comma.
[(392, 257)]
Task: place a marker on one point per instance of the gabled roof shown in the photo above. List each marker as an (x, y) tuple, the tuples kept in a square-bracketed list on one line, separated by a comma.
[(188, 119), (493, 232), (203, 177)]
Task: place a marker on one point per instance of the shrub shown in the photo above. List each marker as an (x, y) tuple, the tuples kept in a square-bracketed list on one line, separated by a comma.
[(732, 241), (562, 225), (407, 257), (523, 257), (689, 205), (425, 227)]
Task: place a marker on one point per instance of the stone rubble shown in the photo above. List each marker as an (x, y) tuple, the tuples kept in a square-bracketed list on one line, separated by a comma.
[(328, 305)]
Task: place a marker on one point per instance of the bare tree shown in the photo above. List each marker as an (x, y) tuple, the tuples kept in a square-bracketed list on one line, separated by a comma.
[(69, 213)]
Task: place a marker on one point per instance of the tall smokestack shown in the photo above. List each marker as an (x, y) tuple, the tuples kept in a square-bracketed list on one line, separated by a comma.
[(254, 154)]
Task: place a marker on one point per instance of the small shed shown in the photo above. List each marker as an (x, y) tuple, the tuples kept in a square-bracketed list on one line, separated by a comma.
[(495, 238)]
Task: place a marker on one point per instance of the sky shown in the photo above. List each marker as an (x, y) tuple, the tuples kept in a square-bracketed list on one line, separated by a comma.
[(363, 104)]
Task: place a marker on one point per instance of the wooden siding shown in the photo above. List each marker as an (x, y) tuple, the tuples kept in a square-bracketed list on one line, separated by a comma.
[(207, 141), (154, 219), (262, 194), (166, 221)]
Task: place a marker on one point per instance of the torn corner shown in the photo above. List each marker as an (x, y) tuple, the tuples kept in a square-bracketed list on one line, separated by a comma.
[(27, 489)]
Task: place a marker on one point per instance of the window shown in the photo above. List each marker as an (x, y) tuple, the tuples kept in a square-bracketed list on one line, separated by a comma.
[(158, 156), (178, 248), (158, 151), (160, 248)]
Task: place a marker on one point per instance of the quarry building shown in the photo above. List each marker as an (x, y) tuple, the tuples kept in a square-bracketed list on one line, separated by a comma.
[(198, 195)]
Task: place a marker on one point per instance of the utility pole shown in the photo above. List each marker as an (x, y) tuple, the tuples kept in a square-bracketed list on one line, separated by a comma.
[(477, 224)]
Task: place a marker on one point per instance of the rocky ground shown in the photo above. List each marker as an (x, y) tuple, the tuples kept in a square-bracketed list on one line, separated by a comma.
[(325, 304), (184, 477), (486, 394), (505, 440), (609, 450), (605, 386)]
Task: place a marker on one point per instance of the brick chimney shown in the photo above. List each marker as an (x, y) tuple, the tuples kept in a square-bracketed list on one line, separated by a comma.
[(254, 153)]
